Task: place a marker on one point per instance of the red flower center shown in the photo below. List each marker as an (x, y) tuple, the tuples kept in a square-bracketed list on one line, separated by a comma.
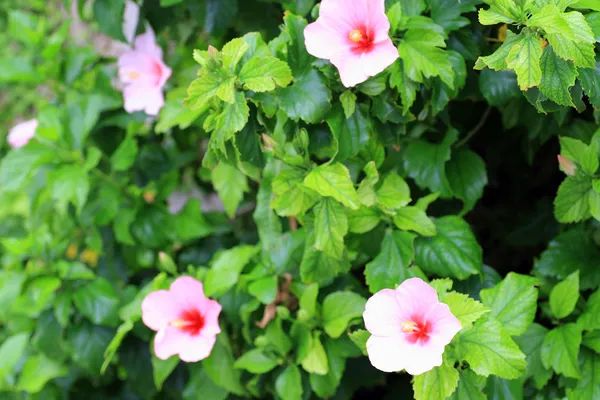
[(190, 321), (417, 331), (361, 39)]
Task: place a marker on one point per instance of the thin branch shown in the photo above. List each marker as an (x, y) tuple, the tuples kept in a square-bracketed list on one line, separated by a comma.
[(477, 127)]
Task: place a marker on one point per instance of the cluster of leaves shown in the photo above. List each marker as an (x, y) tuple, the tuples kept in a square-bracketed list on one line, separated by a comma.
[(293, 199)]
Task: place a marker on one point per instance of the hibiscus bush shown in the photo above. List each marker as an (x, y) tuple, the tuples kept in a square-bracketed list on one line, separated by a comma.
[(300, 199)]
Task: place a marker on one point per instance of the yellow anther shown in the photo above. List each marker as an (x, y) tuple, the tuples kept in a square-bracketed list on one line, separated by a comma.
[(133, 75), (355, 36), (409, 326), (177, 323)]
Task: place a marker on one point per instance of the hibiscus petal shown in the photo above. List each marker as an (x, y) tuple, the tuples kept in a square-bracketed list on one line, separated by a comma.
[(416, 296), (387, 354), (197, 348), (381, 56), (146, 43), (140, 97), (351, 69), (169, 341), (420, 359), (158, 309), (444, 325), (189, 293), (382, 313), (211, 312)]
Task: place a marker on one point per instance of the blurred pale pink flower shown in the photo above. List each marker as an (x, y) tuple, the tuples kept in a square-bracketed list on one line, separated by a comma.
[(354, 36), (567, 166), (131, 16), (409, 328), (186, 321), (144, 75), (22, 133)]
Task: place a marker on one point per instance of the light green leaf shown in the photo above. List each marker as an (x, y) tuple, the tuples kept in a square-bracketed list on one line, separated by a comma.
[(333, 180), (339, 309), (226, 269), (560, 350), (232, 119), (552, 20), (124, 157), (256, 362), (564, 296), (11, 350), (390, 267), (513, 302), (262, 74), (488, 349), (592, 340), (393, 193), (70, 184), (37, 371), (362, 220), (230, 183), (414, 219), (202, 89), (331, 225), (572, 199), (524, 58), (497, 60), (291, 196), (558, 76), (575, 150), (505, 11), (588, 387), (264, 289), (436, 384), (359, 337), (232, 53), (348, 100), (288, 384), (590, 319), (453, 252), (470, 386), (315, 361), (317, 266), (464, 308)]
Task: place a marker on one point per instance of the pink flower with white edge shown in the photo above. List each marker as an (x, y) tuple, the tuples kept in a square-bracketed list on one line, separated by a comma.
[(144, 75), (186, 321), (22, 133), (409, 328), (354, 36)]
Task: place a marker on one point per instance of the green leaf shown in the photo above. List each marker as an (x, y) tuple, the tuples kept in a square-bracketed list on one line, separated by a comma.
[(315, 361), (317, 266), (348, 100), (524, 58), (558, 76), (339, 309), (291, 196), (203, 89), (264, 289), (362, 220), (588, 387), (592, 340), (572, 203), (190, 222), (325, 386), (351, 133), (288, 384), (513, 302), (436, 384), (87, 344), (590, 81), (232, 53), (426, 163), (498, 87), (414, 219), (470, 387), (505, 11), (161, 369), (308, 98), (262, 74), (568, 252), (256, 362), (467, 177), (564, 296), (423, 57), (464, 308), (590, 319), (333, 180), (297, 57), (277, 338), (70, 184), (453, 252), (232, 119), (552, 20), (488, 349), (98, 301), (578, 47), (37, 371), (406, 87), (17, 165), (11, 350), (359, 337), (124, 157), (109, 15), (531, 343), (497, 60), (331, 225), (219, 366), (390, 267), (447, 14), (584, 155), (560, 350), (226, 268), (231, 184), (393, 193), (200, 385)]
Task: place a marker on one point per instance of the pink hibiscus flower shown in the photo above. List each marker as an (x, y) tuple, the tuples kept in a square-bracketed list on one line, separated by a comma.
[(22, 133), (144, 75), (187, 322), (566, 165), (409, 328), (354, 36)]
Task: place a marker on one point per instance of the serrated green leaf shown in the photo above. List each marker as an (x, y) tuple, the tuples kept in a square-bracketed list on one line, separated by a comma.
[(564, 296), (572, 199), (470, 386), (464, 308), (505, 11), (531, 344), (488, 349), (497, 60), (351, 133), (226, 269), (232, 119), (219, 367), (592, 340), (560, 350), (359, 337), (262, 74), (331, 225), (590, 319), (467, 177), (575, 150), (333, 180), (552, 20), (406, 87), (308, 98), (524, 58), (588, 387), (317, 266), (348, 100), (232, 53), (230, 183), (339, 308), (590, 81), (414, 219), (558, 76), (513, 302), (390, 267), (393, 193), (453, 252), (436, 384), (362, 220)]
